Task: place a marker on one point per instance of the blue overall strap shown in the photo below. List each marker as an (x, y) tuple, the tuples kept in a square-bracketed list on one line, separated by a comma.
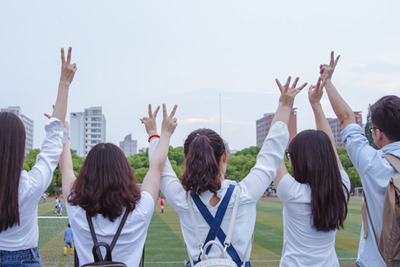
[(215, 223)]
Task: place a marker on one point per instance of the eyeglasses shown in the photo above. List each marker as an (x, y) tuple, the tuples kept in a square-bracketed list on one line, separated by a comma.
[(287, 154), (374, 128)]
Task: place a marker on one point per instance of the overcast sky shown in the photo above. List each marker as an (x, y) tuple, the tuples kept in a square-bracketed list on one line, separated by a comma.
[(132, 53)]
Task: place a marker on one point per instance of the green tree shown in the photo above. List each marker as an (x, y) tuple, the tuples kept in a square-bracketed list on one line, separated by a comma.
[(30, 159)]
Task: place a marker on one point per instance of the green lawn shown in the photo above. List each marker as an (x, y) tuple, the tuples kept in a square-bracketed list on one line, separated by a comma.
[(165, 247)]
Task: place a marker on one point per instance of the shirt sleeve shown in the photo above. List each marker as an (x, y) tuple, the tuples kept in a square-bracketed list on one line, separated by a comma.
[(170, 185), (360, 152), (268, 161), (41, 173)]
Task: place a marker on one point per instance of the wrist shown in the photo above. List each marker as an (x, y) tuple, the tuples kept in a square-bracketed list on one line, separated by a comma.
[(152, 132), (153, 136)]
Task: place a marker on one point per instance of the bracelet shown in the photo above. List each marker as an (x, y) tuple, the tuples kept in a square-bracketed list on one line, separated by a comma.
[(154, 135)]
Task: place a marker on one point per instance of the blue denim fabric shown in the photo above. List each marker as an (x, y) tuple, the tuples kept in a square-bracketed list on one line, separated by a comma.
[(27, 257)]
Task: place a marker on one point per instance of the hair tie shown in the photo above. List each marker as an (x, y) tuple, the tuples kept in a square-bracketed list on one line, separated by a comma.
[(197, 135)]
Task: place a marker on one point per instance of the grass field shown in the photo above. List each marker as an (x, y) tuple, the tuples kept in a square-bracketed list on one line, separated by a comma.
[(165, 247)]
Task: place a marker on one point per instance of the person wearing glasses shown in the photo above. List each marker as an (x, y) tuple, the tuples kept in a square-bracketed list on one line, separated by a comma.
[(315, 195), (374, 170), (204, 177)]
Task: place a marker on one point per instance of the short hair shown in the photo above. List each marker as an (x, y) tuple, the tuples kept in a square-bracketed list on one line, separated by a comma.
[(105, 184), (314, 163), (203, 151), (12, 154), (385, 115)]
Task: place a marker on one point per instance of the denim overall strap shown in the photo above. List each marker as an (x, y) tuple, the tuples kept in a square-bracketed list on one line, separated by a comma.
[(215, 223)]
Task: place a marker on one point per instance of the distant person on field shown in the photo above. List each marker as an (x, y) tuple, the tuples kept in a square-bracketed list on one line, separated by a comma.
[(162, 205), (374, 170), (44, 197), (55, 205), (59, 206), (68, 240), (206, 160), (20, 191), (315, 197), (105, 189)]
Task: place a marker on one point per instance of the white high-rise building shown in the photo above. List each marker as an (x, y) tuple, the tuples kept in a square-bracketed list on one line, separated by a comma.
[(28, 123), (87, 129), (128, 146)]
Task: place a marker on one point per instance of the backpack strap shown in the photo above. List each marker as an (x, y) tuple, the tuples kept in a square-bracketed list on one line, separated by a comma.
[(215, 223), (94, 238), (395, 162)]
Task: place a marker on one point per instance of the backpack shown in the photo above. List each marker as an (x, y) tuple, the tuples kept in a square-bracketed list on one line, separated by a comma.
[(98, 258), (389, 241), (216, 232)]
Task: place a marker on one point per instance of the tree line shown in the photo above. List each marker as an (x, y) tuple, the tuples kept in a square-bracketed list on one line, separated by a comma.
[(239, 163)]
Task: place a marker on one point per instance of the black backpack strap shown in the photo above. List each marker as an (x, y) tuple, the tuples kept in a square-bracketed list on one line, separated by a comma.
[(94, 238)]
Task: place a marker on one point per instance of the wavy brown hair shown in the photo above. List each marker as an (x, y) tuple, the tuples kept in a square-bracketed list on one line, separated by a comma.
[(12, 153), (105, 184), (203, 150), (314, 163)]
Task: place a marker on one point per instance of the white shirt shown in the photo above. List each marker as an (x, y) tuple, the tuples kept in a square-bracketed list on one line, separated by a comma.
[(303, 245), (32, 185), (129, 246), (253, 186)]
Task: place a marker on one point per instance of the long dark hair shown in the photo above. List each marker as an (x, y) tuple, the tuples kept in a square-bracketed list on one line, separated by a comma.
[(105, 184), (12, 153), (385, 115), (203, 150), (314, 163)]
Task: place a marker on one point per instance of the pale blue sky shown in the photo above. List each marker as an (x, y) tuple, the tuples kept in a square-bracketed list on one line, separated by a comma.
[(131, 53)]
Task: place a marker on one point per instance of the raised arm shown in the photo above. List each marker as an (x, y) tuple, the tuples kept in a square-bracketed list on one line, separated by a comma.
[(340, 107), (66, 167), (285, 106), (151, 182), (67, 75), (314, 96)]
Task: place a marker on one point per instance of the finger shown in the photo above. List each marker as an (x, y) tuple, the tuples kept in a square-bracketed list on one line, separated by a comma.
[(288, 81), (295, 82), (62, 55), (173, 112), (279, 84), (336, 61), (164, 108), (149, 110), (53, 106), (324, 82), (141, 120), (47, 115), (156, 112), (301, 87), (69, 55), (318, 84), (332, 61)]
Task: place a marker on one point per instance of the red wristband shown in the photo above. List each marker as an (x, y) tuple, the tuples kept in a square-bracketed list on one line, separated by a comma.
[(154, 135)]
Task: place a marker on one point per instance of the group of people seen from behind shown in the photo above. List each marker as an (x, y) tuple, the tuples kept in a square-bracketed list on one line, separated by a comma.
[(314, 194)]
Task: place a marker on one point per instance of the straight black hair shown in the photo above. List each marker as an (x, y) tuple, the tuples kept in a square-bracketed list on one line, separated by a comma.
[(12, 154), (314, 163)]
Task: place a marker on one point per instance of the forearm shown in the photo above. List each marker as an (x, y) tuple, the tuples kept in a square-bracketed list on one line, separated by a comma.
[(60, 109), (340, 107), (66, 169), (321, 122), (323, 125), (160, 154), (282, 114)]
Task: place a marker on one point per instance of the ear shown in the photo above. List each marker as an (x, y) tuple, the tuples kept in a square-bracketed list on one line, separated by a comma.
[(225, 157)]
